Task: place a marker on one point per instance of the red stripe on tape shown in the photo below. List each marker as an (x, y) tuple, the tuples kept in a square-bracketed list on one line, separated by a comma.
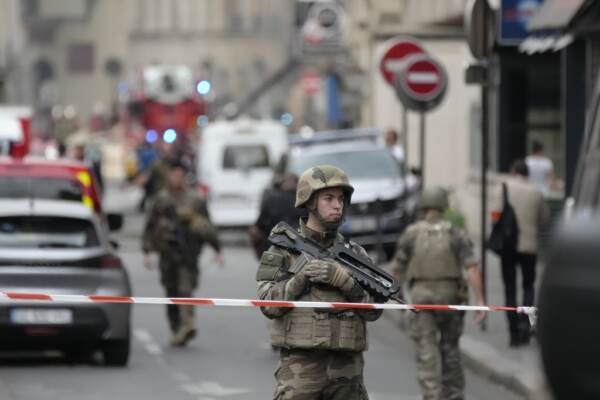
[(28, 296), (111, 299), (501, 308), (203, 302), (430, 307), (352, 305), (271, 303)]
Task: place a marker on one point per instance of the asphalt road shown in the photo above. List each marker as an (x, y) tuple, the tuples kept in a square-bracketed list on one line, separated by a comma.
[(230, 359)]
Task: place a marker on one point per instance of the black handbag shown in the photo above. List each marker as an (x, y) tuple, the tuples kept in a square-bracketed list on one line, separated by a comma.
[(505, 231)]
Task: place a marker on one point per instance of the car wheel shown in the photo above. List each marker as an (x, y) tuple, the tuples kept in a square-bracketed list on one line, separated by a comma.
[(116, 352)]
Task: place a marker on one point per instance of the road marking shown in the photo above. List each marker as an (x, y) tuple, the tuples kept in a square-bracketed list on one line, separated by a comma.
[(214, 389), (148, 342)]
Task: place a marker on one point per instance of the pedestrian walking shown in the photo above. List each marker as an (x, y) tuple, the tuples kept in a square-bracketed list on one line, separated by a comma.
[(321, 350), (177, 227), (531, 214), (436, 260)]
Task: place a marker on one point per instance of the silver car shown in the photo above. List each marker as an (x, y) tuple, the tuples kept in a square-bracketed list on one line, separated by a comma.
[(61, 247)]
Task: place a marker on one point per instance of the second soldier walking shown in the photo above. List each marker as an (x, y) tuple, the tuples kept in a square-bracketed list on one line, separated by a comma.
[(176, 228), (433, 257)]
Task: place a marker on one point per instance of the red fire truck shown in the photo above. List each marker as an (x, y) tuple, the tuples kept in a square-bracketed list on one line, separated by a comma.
[(169, 102)]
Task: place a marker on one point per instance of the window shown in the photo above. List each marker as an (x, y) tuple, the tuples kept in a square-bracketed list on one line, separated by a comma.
[(245, 157), (46, 232), (357, 164), (16, 187)]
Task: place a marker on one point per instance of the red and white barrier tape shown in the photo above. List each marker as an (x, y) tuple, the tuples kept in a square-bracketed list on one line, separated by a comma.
[(63, 298)]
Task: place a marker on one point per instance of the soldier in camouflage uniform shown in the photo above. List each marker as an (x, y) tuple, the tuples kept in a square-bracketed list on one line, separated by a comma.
[(321, 350), (176, 228), (436, 259)]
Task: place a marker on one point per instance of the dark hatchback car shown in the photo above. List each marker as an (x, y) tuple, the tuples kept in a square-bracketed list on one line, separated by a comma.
[(61, 247)]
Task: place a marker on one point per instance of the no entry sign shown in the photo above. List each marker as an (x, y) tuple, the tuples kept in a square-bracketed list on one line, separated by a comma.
[(421, 83), (394, 55)]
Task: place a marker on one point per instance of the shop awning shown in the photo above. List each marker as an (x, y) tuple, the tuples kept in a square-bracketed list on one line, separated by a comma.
[(554, 15), (555, 25)]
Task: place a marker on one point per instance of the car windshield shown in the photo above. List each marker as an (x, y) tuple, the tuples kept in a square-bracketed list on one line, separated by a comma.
[(245, 157), (16, 187), (357, 164), (46, 232)]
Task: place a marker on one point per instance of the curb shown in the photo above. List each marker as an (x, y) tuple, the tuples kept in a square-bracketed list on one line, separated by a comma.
[(487, 362)]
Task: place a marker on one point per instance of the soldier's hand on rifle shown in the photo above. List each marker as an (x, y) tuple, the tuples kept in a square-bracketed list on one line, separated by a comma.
[(320, 271), (296, 285)]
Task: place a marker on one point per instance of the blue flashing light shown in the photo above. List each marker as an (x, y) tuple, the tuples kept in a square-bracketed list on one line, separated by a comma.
[(202, 121), (122, 87), (287, 119), (170, 135), (151, 136), (203, 87)]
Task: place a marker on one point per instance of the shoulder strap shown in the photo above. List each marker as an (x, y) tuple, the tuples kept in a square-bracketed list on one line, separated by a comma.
[(505, 193)]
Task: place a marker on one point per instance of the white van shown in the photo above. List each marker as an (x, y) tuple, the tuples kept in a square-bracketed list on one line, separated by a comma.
[(235, 161)]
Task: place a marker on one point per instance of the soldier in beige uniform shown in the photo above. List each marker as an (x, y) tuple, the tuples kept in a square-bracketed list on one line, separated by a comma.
[(433, 257), (176, 228), (321, 350)]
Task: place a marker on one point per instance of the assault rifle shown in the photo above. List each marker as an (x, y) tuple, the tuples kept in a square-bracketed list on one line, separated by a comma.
[(175, 235), (373, 279)]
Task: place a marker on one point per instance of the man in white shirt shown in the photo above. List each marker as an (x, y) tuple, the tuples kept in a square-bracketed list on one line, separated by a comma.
[(541, 169), (391, 142)]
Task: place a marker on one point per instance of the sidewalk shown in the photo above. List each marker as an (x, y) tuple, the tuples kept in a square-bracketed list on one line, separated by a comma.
[(487, 352)]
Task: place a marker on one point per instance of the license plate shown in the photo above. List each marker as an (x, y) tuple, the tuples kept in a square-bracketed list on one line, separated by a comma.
[(362, 224), (33, 316)]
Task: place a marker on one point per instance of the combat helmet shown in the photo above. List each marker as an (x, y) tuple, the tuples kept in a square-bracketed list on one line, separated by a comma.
[(434, 197), (321, 177)]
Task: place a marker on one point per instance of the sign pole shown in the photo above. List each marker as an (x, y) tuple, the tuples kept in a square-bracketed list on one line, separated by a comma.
[(404, 116), (422, 148), (484, 191)]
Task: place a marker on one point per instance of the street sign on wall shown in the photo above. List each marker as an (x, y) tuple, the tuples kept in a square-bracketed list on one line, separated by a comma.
[(421, 83), (395, 54)]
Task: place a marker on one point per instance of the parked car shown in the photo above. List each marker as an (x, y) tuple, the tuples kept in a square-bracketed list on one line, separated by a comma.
[(62, 247), (235, 161), (382, 205), (33, 177)]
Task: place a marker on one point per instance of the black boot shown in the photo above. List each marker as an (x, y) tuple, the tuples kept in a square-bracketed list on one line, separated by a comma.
[(524, 329)]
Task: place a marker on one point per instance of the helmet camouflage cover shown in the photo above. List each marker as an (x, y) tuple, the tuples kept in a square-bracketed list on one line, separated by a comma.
[(433, 197), (321, 177)]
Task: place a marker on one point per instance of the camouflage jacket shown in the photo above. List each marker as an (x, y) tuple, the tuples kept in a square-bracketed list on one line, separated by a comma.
[(178, 224), (333, 329), (461, 247)]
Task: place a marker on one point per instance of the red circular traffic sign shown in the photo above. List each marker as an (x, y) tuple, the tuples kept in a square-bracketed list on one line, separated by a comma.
[(395, 54), (421, 83)]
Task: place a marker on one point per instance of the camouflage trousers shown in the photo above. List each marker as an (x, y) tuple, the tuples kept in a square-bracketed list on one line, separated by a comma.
[(179, 281), (320, 375), (436, 334)]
